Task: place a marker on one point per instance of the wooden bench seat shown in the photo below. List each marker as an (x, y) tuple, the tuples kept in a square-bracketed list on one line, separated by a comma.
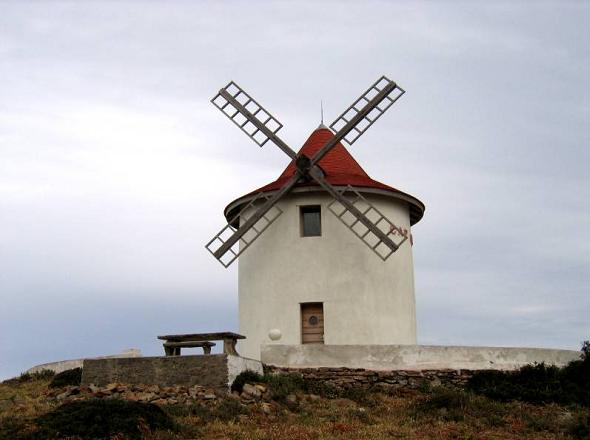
[(173, 348)]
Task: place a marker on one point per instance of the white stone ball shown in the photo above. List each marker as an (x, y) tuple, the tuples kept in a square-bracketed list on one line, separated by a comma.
[(275, 334)]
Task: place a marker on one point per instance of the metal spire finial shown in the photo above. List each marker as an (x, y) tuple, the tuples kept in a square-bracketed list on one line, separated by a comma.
[(322, 110)]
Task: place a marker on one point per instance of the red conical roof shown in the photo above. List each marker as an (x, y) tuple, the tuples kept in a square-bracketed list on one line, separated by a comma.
[(340, 169), (338, 165)]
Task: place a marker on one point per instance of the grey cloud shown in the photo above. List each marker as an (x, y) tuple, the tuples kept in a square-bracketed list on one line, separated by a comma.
[(115, 169)]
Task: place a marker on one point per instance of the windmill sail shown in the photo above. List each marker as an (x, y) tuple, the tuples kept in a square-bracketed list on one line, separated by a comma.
[(253, 219), (377, 99)]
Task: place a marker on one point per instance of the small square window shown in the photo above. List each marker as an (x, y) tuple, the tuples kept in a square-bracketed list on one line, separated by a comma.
[(311, 221)]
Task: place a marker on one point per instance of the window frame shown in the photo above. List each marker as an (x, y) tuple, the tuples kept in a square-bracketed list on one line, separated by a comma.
[(309, 209)]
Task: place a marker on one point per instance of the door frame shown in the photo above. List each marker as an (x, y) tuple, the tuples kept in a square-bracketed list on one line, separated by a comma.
[(301, 306)]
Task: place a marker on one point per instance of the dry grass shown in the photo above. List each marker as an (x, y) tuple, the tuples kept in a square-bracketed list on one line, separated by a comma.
[(392, 417), (26, 397), (389, 418), (433, 415)]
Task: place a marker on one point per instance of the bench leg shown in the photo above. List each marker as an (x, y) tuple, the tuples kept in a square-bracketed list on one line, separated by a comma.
[(176, 351), (229, 347), (206, 350), (167, 351)]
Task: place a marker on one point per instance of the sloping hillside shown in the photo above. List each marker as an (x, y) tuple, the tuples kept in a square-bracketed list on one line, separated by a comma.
[(273, 409)]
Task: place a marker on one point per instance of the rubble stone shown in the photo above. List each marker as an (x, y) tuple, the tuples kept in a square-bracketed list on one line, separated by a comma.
[(261, 388), (251, 391), (260, 394), (346, 378)]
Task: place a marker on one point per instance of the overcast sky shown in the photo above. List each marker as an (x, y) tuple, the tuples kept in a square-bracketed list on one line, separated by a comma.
[(115, 168)]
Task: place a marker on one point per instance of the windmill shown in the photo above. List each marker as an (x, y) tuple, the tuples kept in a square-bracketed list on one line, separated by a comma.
[(381, 235)]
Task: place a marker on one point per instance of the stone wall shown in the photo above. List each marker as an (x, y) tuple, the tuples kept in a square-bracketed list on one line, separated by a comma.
[(344, 378), (209, 371), (213, 371)]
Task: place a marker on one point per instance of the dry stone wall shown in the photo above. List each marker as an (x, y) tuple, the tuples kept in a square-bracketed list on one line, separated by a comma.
[(344, 378), (213, 371)]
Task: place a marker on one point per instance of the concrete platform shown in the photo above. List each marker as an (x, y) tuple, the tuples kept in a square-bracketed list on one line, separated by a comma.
[(411, 357)]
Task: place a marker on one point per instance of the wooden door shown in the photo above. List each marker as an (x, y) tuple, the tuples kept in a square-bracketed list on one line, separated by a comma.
[(312, 323)]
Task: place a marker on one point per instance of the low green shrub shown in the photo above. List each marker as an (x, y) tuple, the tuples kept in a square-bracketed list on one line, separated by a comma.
[(538, 383), (359, 395), (323, 389), (579, 427), (101, 418), (247, 376), (203, 412), (575, 382), (544, 421), (14, 428), (227, 409), (28, 377), (41, 375), (359, 414), (67, 377), (281, 385), (451, 404), (424, 387)]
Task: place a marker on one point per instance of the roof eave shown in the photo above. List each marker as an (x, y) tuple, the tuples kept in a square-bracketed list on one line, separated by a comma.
[(417, 208)]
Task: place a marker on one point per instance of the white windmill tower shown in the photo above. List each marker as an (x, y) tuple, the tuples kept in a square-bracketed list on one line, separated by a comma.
[(308, 279)]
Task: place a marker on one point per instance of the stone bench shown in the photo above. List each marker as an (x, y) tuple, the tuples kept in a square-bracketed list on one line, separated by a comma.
[(173, 348), (229, 341)]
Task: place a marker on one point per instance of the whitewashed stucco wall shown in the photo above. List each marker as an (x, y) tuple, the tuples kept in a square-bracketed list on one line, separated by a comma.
[(366, 300), (412, 357)]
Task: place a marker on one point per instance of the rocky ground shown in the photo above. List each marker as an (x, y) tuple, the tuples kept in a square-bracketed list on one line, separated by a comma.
[(137, 393), (280, 411)]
